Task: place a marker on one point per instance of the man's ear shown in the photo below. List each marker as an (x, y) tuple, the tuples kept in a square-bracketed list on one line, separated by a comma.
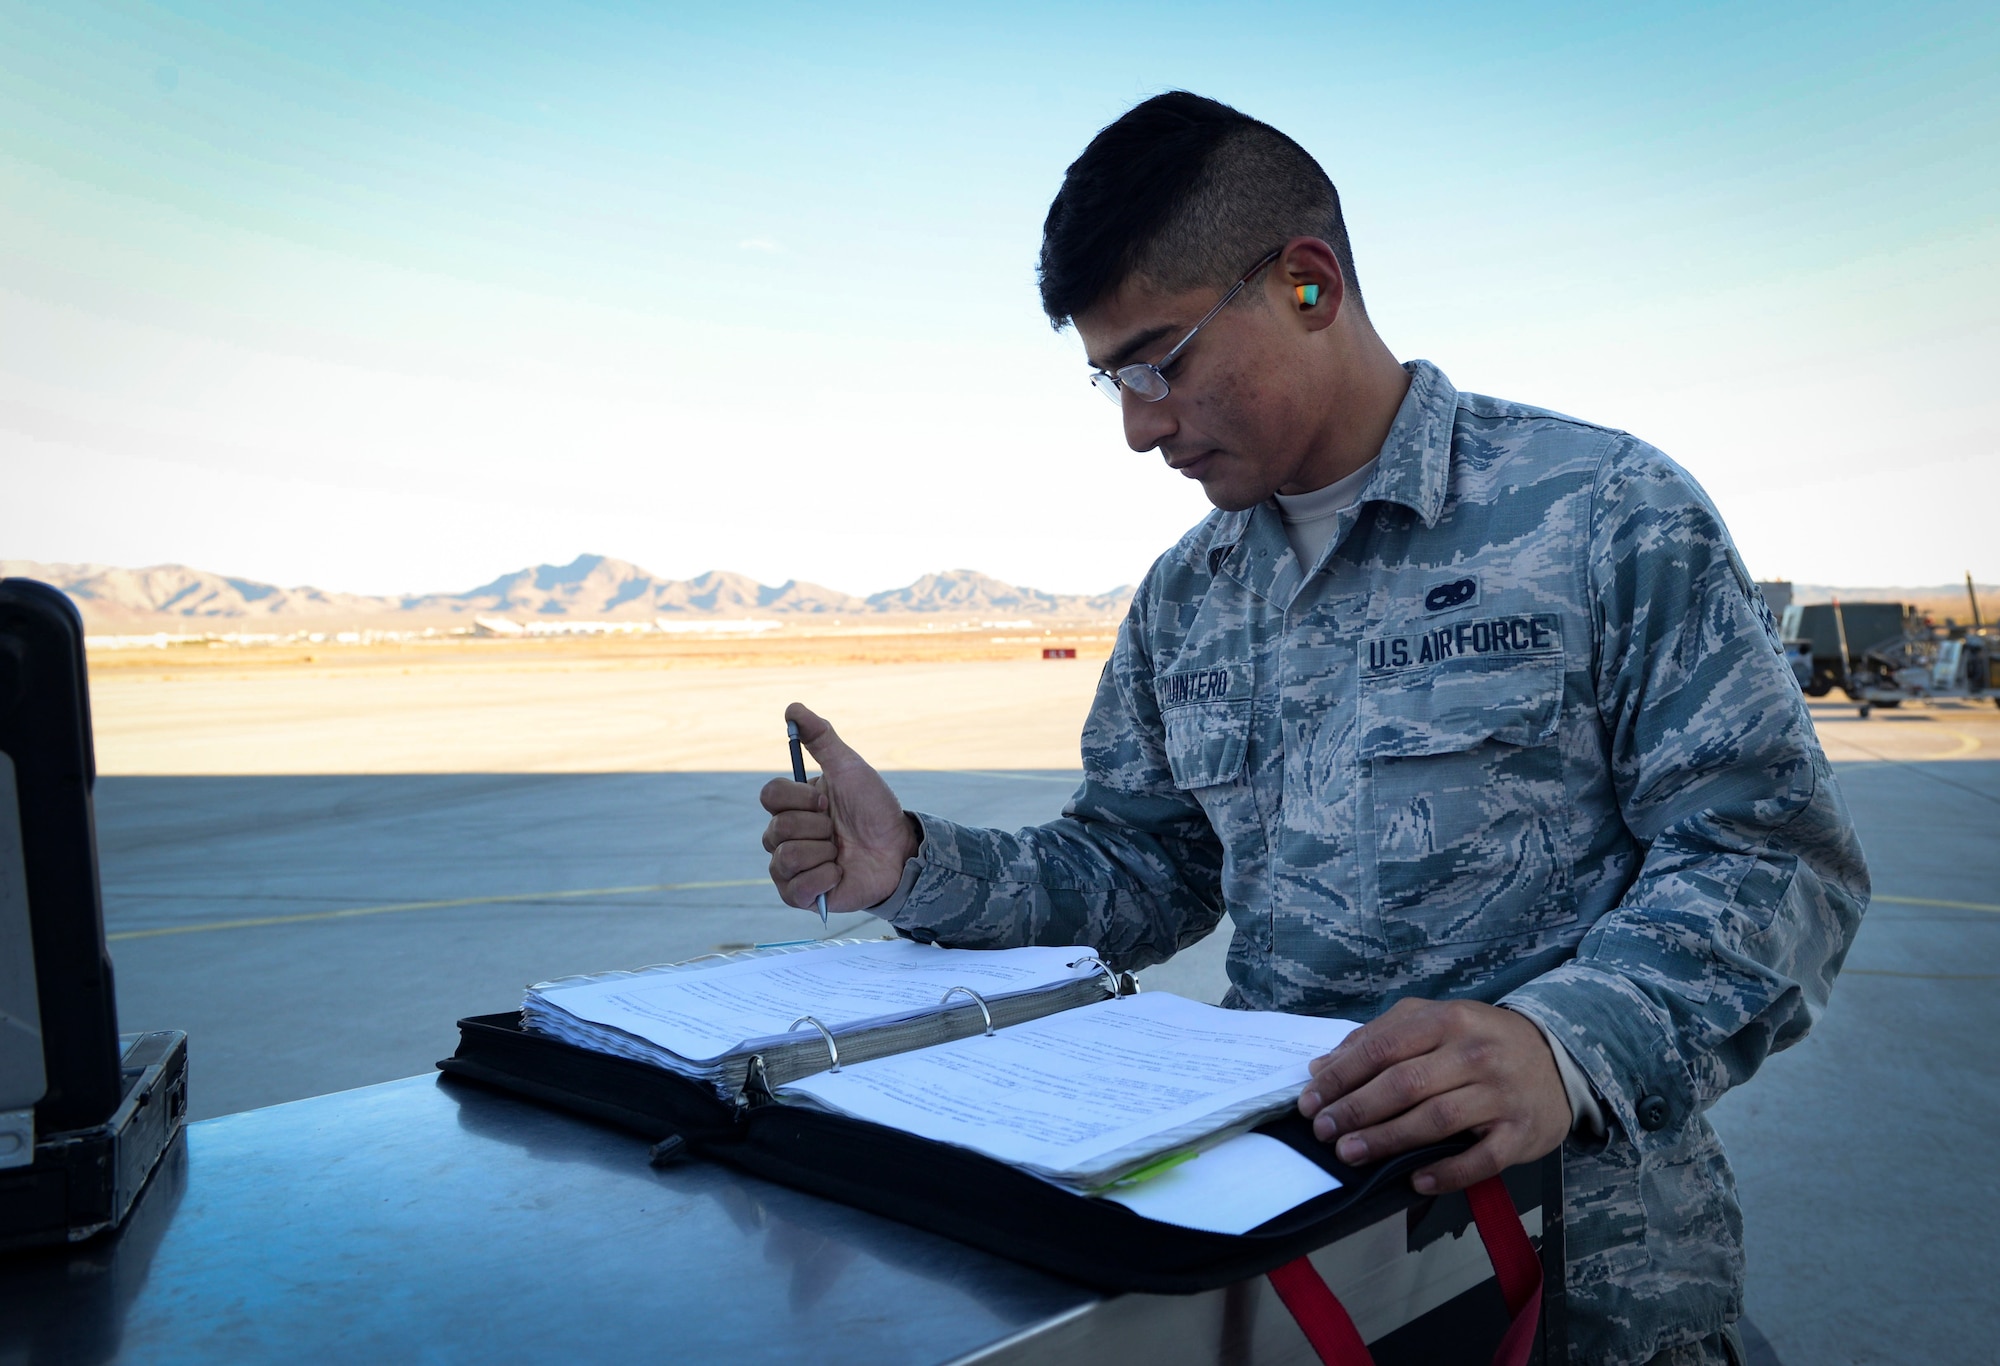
[(1309, 274)]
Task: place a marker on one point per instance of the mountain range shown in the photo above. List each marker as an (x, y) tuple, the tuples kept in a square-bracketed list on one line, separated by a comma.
[(175, 597), (588, 588)]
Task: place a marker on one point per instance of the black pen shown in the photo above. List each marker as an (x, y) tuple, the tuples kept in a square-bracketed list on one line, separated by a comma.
[(799, 776)]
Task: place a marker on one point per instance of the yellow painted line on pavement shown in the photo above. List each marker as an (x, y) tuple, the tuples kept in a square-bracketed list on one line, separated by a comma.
[(578, 893), (1966, 743), (1928, 901), (353, 911)]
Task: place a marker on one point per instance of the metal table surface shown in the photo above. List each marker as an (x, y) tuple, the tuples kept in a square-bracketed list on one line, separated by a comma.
[(427, 1220)]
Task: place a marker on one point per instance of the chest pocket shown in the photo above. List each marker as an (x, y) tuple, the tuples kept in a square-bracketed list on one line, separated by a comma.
[(1208, 753), (1205, 717), (1207, 743), (1469, 809)]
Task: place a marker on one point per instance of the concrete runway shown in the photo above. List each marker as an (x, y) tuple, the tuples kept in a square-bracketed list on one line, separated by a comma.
[(317, 933), (1865, 1156)]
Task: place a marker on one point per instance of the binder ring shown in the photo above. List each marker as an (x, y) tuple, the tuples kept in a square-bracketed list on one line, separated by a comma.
[(1110, 977), (832, 1051), (978, 1000)]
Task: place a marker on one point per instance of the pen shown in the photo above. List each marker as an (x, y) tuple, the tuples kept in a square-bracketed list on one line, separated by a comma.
[(799, 776)]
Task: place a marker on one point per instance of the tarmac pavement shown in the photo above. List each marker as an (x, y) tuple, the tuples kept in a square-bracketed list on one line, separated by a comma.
[(318, 933), (313, 933), (1865, 1156)]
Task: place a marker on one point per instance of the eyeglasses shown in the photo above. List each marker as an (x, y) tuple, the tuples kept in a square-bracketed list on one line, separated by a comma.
[(1149, 382)]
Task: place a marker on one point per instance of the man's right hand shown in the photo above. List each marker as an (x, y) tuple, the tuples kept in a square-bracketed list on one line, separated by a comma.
[(844, 833)]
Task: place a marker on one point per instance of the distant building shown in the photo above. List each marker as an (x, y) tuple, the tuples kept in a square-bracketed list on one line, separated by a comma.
[(1777, 595)]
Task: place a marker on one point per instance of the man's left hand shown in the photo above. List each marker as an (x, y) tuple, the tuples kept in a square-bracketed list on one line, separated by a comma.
[(1426, 1070)]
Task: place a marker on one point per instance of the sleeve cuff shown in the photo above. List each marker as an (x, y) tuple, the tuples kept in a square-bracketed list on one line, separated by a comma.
[(912, 868), (894, 901), (1586, 1117), (1623, 1042)]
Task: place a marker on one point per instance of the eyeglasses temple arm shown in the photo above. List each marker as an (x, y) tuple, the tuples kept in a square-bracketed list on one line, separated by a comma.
[(1220, 304)]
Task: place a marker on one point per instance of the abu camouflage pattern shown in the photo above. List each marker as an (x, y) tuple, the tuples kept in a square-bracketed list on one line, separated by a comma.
[(1523, 735)]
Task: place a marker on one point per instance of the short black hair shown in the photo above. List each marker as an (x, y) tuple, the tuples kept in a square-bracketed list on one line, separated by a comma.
[(1184, 191)]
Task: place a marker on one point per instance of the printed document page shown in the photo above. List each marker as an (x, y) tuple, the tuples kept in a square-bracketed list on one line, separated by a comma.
[(1233, 1187), (705, 1014), (1085, 1095)]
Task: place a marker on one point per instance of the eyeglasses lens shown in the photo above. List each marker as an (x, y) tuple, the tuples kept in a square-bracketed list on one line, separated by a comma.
[(1144, 380)]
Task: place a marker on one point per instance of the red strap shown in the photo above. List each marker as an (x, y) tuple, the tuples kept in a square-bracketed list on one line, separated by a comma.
[(1319, 1312), (1515, 1265)]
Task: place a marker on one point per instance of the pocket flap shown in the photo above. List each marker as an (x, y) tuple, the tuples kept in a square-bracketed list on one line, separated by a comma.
[(1207, 743), (1460, 703)]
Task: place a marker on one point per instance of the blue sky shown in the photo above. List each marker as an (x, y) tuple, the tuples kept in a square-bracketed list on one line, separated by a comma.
[(388, 298)]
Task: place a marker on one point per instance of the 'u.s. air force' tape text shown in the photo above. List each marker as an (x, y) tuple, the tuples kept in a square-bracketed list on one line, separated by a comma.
[(1540, 634)]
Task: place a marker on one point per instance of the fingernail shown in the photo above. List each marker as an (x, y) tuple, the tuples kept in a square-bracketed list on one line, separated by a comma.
[(1323, 1129), (1310, 1102), (1353, 1149), (1424, 1182)]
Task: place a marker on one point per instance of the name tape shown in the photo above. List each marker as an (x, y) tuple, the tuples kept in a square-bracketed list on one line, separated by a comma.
[(1195, 685), (1540, 634)]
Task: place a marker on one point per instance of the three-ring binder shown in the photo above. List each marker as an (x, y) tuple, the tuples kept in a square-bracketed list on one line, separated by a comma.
[(1113, 982), (977, 999), (832, 1049)]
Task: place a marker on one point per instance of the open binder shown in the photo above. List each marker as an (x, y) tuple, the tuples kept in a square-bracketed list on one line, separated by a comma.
[(990, 1204)]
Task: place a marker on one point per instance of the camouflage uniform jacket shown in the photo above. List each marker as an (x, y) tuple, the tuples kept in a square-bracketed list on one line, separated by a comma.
[(1525, 735)]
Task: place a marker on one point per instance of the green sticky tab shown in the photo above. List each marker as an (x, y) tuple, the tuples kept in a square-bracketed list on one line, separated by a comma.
[(1153, 1169)]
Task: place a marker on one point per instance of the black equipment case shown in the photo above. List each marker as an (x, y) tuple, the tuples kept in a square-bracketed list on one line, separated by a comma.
[(84, 1113), (977, 1200)]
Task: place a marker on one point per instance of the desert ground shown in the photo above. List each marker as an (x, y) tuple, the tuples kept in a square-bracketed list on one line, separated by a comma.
[(912, 699), (952, 699)]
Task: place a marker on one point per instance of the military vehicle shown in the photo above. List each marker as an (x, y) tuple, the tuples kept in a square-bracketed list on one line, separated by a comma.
[(1882, 654), (1837, 638)]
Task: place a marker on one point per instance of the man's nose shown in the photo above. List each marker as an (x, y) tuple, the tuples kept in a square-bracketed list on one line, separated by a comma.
[(1147, 424)]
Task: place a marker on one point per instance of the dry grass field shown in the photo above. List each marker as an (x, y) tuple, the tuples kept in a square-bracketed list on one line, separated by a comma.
[(950, 699), (791, 647), (910, 699)]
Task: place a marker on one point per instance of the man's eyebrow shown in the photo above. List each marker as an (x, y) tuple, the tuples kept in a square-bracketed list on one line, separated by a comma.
[(1132, 346)]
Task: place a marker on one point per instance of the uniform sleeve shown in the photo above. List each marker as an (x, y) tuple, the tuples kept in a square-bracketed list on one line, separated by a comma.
[(1752, 885), (1132, 869)]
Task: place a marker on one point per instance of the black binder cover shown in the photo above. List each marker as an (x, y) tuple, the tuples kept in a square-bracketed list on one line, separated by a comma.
[(961, 1194)]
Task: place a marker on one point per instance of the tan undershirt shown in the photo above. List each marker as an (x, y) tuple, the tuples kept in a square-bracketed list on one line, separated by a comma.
[(1310, 517)]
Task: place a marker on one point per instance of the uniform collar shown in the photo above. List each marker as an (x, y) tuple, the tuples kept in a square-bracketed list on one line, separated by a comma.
[(1414, 469)]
